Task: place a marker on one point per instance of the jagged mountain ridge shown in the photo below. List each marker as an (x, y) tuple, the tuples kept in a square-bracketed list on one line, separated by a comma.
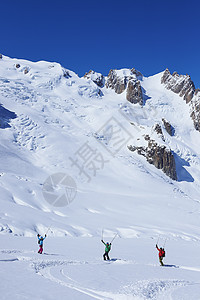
[(57, 111), (184, 86), (130, 80)]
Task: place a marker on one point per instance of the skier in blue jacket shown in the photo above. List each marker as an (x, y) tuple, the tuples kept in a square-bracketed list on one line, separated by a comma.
[(40, 242)]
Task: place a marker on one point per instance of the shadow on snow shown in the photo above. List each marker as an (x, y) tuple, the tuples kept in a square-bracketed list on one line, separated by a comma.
[(171, 266), (182, 173), (5, 117)]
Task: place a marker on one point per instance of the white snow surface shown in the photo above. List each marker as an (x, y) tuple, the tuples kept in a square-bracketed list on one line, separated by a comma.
[(47, 117)]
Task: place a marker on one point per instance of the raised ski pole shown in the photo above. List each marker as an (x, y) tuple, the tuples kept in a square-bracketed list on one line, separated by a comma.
[(48, 229), (158, 239), (102, 235), (114, 238), (165, 243)]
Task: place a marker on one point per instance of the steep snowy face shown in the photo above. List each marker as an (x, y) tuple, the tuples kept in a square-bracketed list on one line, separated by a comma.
[(52, 121)]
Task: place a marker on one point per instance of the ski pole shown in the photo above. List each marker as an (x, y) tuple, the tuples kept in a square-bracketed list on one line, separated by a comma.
[(48, 229), (164, 243), (158, 239), (102, 235), (114, 238)]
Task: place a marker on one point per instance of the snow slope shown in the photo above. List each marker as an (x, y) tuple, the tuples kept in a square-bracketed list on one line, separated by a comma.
[(48, 116), (73, 269)]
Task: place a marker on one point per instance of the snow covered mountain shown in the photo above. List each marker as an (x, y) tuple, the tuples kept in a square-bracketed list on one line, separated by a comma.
[(49, 115), (129, 143)]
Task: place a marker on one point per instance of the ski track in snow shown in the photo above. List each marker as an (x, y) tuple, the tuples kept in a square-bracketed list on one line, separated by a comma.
[(57, 272), (144, 290)]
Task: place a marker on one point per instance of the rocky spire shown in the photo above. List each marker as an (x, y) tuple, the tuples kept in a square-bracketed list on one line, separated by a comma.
[(129, 80), (184, 86), (179, 84)]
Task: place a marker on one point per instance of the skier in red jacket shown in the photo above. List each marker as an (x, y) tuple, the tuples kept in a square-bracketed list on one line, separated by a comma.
[(161, 255)]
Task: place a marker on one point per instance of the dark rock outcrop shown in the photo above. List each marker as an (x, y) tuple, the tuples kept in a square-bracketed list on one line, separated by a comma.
[(170, 130), (116, 83), (134, 92), (66, 74), (26, 70), (184, 86), (97, 78), (1, 56), (137, 73), (157, 128), (158, 155), (17, 66), (179, 84), (126, 81), (195, 114)]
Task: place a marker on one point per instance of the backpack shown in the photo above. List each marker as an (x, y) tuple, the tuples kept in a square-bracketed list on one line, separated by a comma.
[(163, 253), (41, 239)]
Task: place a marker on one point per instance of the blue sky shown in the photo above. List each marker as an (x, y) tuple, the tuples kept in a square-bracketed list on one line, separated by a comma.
[(100, 35)]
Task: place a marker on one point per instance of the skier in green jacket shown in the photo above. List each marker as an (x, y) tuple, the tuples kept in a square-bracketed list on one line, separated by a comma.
[(107, 250)]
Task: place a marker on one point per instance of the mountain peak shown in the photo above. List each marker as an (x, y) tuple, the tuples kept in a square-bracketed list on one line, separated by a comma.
[(179, 84)]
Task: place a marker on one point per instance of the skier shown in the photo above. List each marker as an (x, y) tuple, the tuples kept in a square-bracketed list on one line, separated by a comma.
[(107, 250), (161, 255), (40, 242)]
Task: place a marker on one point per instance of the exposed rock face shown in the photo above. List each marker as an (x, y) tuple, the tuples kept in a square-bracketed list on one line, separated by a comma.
[(158, 129), (1, 56), (168, 127), (121, 80), (137, 73), (17, 66), (195, 104), (184, 86), (116, 82), (179, 84), (26, 71), (97, 78), (66, 74), (161, 157), (134, 92)]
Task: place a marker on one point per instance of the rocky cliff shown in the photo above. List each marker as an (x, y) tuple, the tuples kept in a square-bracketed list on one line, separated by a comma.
[(195, 109), (97, 78), (184, 86), (158, 155), (126, 79), (179, 84)]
